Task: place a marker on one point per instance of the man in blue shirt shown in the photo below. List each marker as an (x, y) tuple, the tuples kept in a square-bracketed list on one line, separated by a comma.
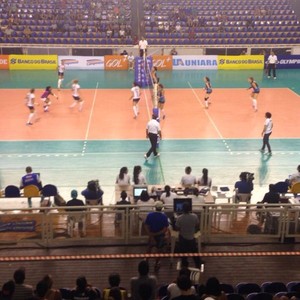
[(30, 179), (157, 225)]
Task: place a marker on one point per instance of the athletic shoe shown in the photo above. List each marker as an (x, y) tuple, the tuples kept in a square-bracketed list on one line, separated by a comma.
[(262, 150), (29, 124), (157, 155), (274, 77), (270, 153), (145, 156)]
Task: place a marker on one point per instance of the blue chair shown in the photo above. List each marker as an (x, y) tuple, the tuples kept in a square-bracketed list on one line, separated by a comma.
[(234, 297), (259, 296), (273, 287), (281, 187), (162, 291), (227, 288), (245, 288), (293, 286), (66, 294), (12, 191)]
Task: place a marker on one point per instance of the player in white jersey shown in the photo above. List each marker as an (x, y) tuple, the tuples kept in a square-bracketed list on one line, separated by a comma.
[(29, 101), (61, 72), (130, 58), (76, 95), (136, 95)]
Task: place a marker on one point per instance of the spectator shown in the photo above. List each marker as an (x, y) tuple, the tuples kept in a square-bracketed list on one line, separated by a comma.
[(51, 294), (213, 290), (123, 178), (122, 34), (167, 196), (84, 290), (114, 281), (124, 53), (160, 27), (123, 201), (145, 200), (27, 32), (187, 225), (204, 180), (30, 179), (184, 283), (196, 197), (156, 225), (173, 52), (244, 186), (7, 290), (178, 27), (22, 290), (93, 192), (40, 291), (173, 289), (167, 27), (272, 196), (188, 179), (143, 279), (8, 32), (294, 178), (138, 177)]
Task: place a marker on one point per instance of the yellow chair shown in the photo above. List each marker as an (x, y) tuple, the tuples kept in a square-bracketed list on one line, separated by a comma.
[(295, 189), (31, 191)]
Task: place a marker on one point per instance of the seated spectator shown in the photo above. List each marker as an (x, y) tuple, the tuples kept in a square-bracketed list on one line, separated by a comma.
[(244, 186), (123, 178), (204, 180), (123, 201), (30, 179), (160, 27), (144, 278), (196, 197), (173, 288), (178, 27), (173, 52), (167, 27), (213, 290), (40, 291), (51, 294), (167, 196), (93, 192), (27, 32), (184, 284), (138, 177), (156, 225), (7, 290), (125, 53), (295, 177), (188, 179), (145, 200), (22, 290), (272, 197), (114, 281), (84, 290), (122, 34), (8, 32)]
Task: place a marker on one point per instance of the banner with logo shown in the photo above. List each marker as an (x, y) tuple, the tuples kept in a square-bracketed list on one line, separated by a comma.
[(240, 62), (195, 62), (162, 62), (82, 62), (288, 62), (32, 62), (115, 62), (142, 71), (4, 62), (18, 226)]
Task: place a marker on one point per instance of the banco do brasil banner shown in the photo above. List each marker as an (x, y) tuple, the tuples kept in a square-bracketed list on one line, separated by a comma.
[(32, 62), (240, 62)]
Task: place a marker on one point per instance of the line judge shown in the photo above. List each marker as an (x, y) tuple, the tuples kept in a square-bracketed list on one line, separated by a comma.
[(153, 131), (143, 45)]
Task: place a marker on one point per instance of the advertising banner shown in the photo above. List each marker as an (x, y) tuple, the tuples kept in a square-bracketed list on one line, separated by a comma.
[(240, 62), (195, 62), (115, 62), (32, 62), (288, 62), (163, 62), (82, 62), (4, 62)]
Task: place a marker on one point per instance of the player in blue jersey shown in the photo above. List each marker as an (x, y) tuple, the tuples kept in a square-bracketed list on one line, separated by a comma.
[(255, 91), (208, 91)]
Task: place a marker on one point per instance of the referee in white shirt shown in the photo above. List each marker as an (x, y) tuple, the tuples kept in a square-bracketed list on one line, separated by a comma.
[(143, 45), (152, 132), (272, 61), (268, 126)]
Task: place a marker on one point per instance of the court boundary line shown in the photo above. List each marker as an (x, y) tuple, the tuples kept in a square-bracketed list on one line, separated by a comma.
[(89, 120)]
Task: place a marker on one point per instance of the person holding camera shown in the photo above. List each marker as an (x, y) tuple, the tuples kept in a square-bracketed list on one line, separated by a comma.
[(244, 187), (93, 192)]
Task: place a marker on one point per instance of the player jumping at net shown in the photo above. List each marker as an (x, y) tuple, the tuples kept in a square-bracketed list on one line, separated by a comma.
[(76, 95), (161, 100), (29, 101), (136, 95), (61, 71), (208, 91), (255, 91), (45, 98)]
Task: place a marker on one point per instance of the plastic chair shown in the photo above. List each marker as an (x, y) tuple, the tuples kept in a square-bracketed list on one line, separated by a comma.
[(234, 296), (295, 189), (12, 191), (259, 296), (273, 287), (239, 197), (245, 288), (31, 191), (227, 288), (281, 187), (76, 218), (49, 190), (293, 286), (66, 294)]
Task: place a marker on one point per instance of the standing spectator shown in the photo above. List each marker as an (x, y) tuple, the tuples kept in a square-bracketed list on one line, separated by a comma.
[(267, 131), (272, 61), (138, 177), (187, 225), (123, 178), (156, 225), (204, 180), (153, 131), (142, 279), (188, 179), (143, 45), (22, 290)]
